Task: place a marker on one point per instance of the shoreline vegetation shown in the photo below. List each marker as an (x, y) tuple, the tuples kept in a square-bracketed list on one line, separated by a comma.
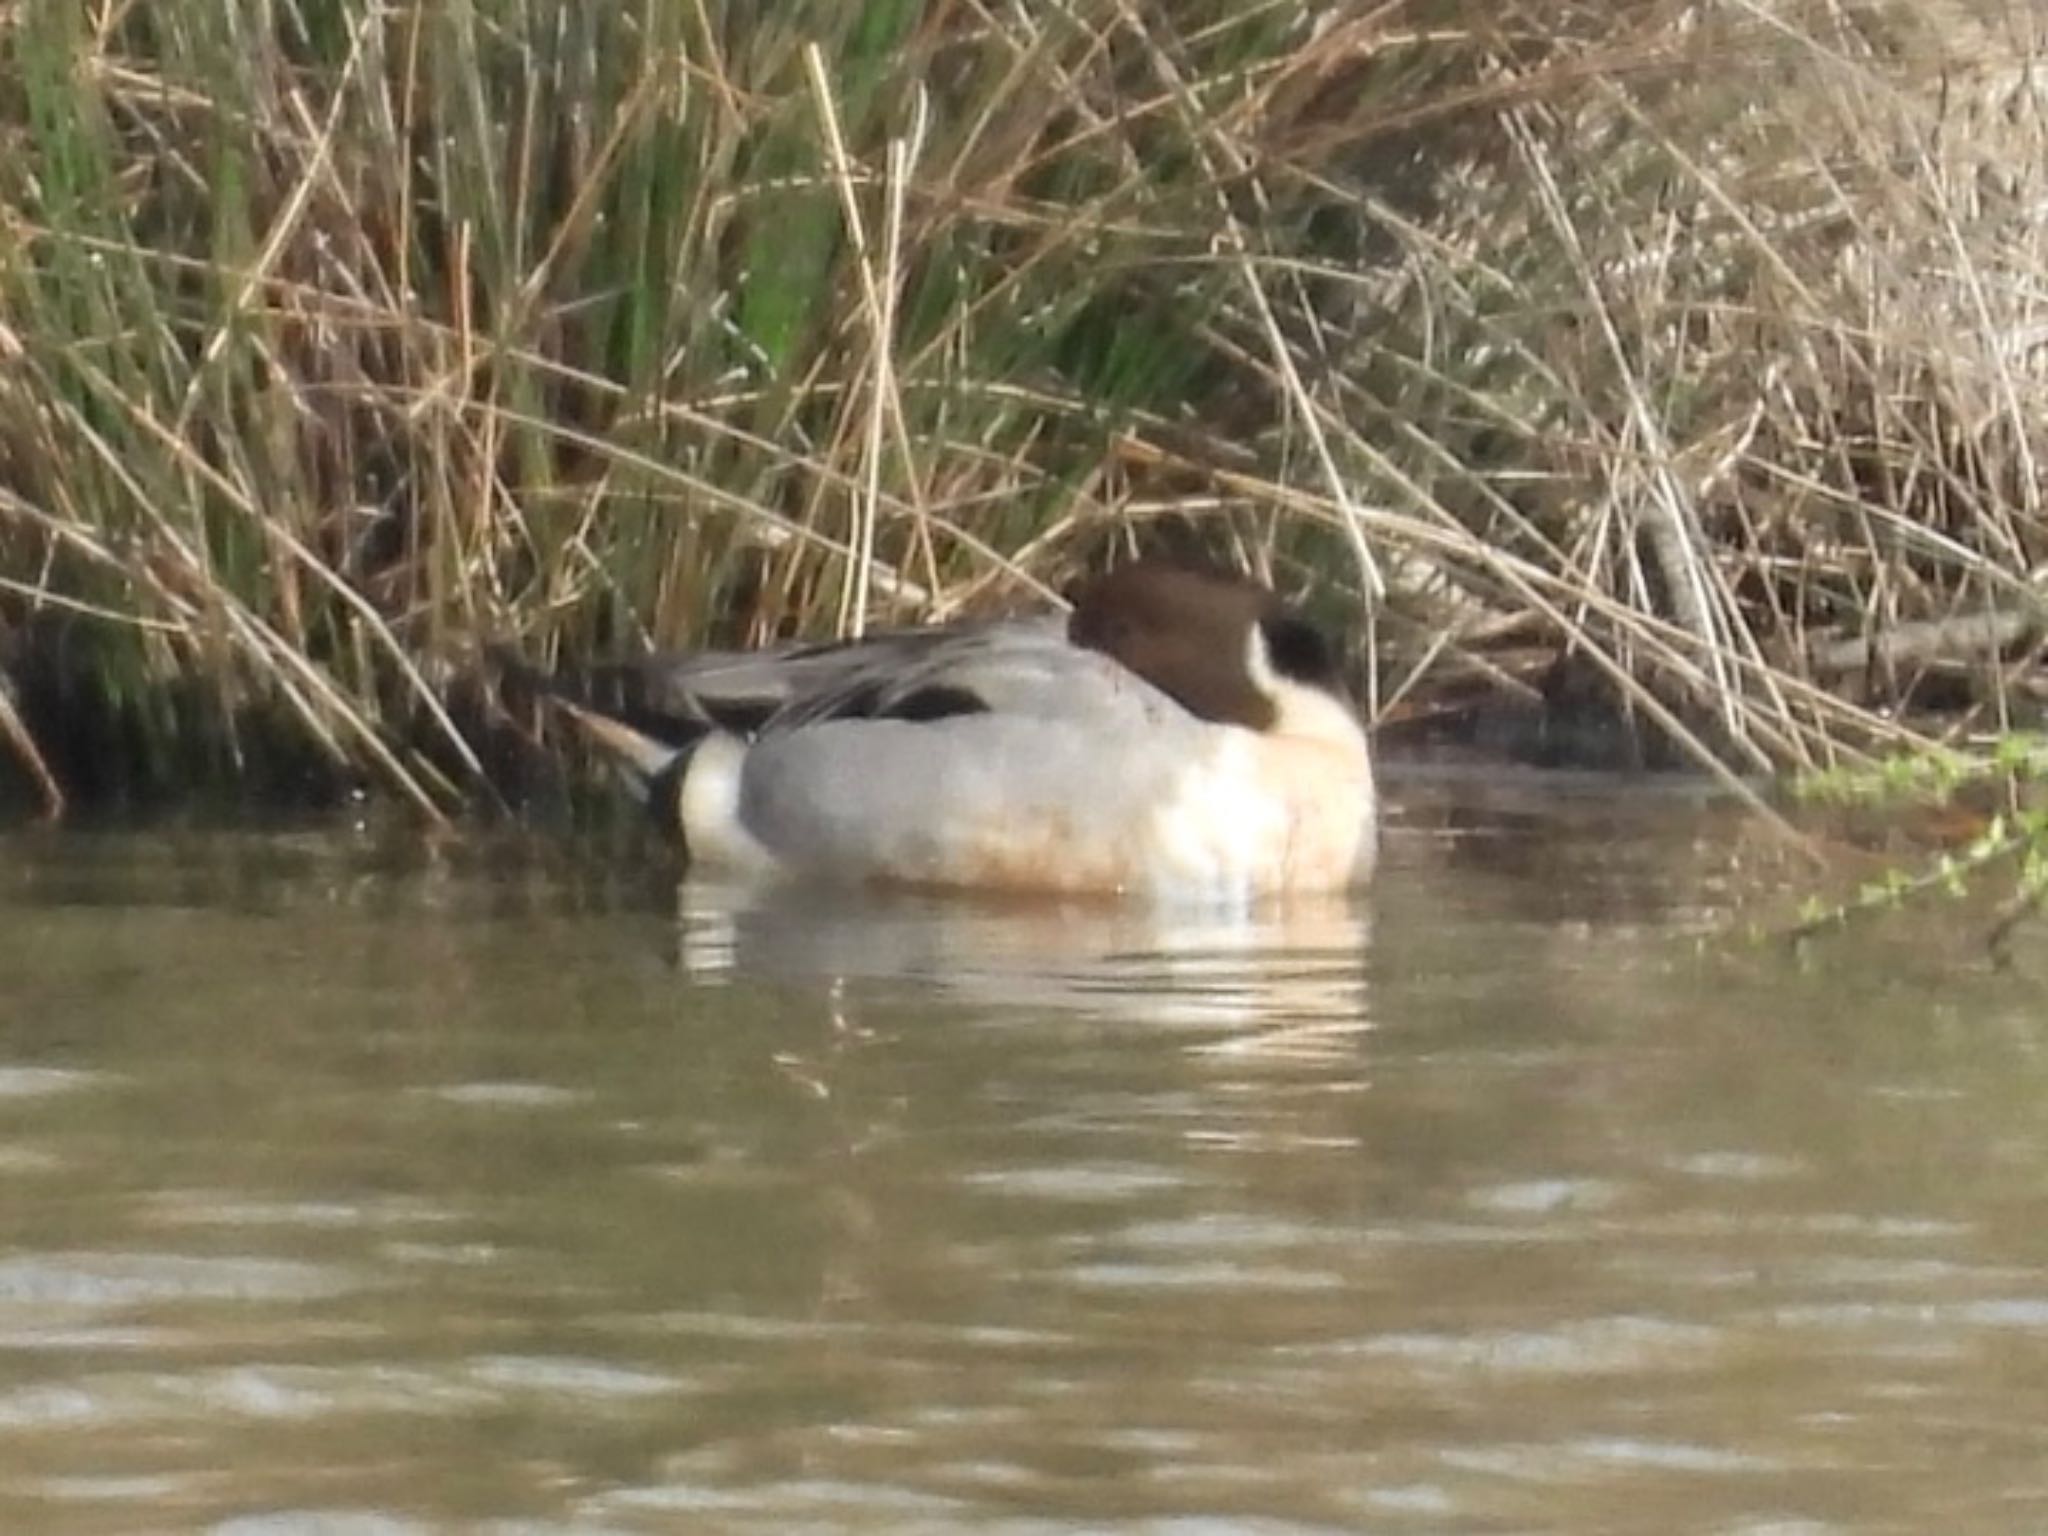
[(1644, 382)]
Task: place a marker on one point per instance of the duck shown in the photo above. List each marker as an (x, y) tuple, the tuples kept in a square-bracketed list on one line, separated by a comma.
[(1180, 734)]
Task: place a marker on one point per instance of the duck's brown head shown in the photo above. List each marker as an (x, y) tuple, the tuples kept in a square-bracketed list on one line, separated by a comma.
[(1221, 646)]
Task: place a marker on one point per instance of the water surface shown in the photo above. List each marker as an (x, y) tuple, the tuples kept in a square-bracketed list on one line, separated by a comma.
[(363, 1186)]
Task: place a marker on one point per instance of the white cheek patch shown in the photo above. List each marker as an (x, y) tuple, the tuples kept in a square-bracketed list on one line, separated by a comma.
[(1258, 663)]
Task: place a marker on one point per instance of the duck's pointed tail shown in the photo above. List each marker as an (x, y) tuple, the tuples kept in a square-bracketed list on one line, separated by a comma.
[(643, 763), (649, 765)]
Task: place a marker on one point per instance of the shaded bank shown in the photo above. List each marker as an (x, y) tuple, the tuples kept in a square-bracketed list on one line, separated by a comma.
[(1672, 367)]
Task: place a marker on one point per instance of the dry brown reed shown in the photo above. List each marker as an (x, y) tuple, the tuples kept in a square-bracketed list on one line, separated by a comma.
[(1686, 357)]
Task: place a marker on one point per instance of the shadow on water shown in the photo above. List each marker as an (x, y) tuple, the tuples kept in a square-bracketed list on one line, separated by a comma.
[(357, 1185)]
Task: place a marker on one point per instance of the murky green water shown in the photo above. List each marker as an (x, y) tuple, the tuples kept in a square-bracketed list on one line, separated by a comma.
[(363, 1192)]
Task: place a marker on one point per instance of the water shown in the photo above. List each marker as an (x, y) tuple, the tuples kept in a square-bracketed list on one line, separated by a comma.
[(361, 1187)]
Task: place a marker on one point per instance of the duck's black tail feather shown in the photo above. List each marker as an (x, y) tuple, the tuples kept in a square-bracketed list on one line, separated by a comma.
[(648, 745), (635, 694)]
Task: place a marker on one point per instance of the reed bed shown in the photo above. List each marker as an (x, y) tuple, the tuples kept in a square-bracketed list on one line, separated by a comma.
[(1680, 361)]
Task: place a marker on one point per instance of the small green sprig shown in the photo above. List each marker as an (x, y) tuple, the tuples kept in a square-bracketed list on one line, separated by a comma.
[(2015, 839)]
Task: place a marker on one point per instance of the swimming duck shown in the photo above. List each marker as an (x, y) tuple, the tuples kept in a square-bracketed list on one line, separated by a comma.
[(1180, 734)]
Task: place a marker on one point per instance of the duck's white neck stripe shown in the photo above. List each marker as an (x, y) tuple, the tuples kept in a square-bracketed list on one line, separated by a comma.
[(1299, 710)]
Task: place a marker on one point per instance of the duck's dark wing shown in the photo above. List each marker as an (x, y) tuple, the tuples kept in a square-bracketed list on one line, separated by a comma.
[(925, 675), (922, 674)]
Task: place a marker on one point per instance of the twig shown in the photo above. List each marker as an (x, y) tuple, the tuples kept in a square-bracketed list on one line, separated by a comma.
[(24, 743)]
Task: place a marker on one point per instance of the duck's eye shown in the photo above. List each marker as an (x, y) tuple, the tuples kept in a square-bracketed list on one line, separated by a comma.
[(1298, 650)]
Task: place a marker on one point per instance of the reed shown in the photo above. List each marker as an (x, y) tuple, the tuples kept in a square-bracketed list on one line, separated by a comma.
[(1691, 351)]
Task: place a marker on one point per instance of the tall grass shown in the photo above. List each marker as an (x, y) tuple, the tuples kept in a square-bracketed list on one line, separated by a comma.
[(1699, 343)]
